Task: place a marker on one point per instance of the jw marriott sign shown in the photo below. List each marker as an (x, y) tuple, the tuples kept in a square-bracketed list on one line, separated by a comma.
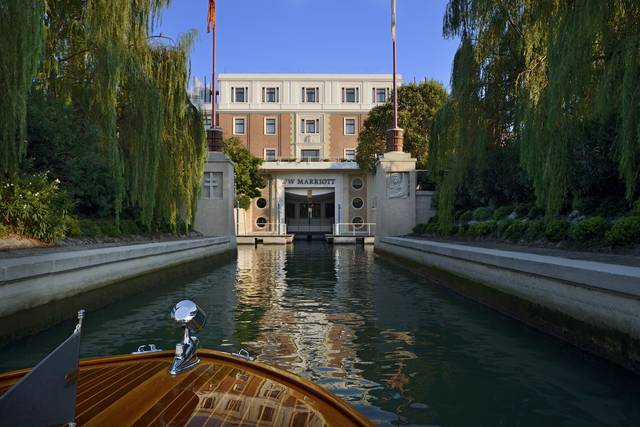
[(310, 181)]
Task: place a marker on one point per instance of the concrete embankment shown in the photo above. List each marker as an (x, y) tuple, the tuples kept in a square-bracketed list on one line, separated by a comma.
[(593, 305), (31, 281)]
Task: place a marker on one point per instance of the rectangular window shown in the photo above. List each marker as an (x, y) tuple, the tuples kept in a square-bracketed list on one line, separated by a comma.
[(350, 126), (310, 126), (350, 154), (270, 154), (270, 126), (310, 94), (271, 94), (350, 95), (310, 155), (304, 210), (380, 95), (240, 94), (238, 126)]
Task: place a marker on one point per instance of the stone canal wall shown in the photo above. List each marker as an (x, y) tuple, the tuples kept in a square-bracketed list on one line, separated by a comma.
[(30, 281), (593, 305)]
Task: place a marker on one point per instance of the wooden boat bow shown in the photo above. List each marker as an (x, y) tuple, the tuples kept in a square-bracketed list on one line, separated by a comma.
[(137, 390)]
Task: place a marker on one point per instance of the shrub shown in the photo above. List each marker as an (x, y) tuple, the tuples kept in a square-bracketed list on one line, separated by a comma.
[(35, 207), (481, 214), (611, 207), (516, 230), (89, 228), (4, 230), (635, 210), (502, 212), (432, 228), (522, 209), (109, 229), (535, 213), (129, 227), (625, 231), (416, 230), (74, 227), (536, 229), (483, 228), (588, 229), (502, 226), (463, 229), (466, 216), (557, 229)]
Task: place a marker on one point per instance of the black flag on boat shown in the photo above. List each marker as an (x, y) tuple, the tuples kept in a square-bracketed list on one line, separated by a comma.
[(47, 394)]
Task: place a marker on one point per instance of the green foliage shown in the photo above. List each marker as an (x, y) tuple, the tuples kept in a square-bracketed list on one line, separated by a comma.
[(65, 142), (417, 106), (625, 231), (522, 210), (108, 228), (481, 214), (130, 227), (89, 228), (483, 228), (588, 229), (502, 227), (466, 216), (556, 229), (4, 231), (35, 207), (635, 210), (132, 140), (247, 171), (536, 229), (21, 24), (550, 89), (535, 213), (502, 212), (516, 231)]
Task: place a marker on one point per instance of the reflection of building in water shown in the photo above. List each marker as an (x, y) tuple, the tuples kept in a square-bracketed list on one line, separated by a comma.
[(249, 400), (296, 331)]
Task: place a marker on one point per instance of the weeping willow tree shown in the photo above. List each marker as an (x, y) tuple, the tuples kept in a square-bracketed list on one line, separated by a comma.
[(102, 58), (556, 80), (21, 26)]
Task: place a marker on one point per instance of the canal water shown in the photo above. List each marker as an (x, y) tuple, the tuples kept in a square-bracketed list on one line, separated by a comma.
[(383, 337)]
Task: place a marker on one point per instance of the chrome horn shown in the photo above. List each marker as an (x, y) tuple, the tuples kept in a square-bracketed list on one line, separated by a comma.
[(192, 319)]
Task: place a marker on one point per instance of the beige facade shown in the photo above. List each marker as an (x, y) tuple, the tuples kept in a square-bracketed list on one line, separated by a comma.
[(305, 127)]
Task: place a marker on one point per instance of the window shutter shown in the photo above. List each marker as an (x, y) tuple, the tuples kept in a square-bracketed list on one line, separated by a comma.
[(373, 96), (343, 95), (246, 94), (357, 94), (264, 98), (317, 94), (303, 98), (277, 94), (302, 130), (233, 94), (317, 125)]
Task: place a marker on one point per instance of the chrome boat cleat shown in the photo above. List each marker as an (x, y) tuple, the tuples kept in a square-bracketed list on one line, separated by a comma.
[(192, 319)]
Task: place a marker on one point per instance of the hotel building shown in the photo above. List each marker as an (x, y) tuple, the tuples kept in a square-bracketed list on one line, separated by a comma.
[(305, 127)]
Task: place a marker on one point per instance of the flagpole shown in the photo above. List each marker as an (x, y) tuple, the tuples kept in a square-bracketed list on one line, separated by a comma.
[(395, 135), (395, 85), (213, 80)]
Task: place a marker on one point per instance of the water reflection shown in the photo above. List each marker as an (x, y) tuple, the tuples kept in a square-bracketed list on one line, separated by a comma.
[(381, 336)]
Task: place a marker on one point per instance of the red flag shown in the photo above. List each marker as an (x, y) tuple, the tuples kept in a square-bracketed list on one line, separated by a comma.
[(211, 19)]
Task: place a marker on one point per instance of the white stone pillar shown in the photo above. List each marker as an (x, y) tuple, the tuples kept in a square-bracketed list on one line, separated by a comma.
[(214, 213), (395, 194)]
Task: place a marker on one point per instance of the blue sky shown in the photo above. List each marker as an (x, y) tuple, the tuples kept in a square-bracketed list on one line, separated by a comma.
[(316, 36)]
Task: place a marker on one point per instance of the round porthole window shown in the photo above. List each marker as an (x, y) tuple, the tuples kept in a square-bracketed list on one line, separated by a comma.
[(357, 203), (357, 221), (261, 222), (261, 203), (357, 183)]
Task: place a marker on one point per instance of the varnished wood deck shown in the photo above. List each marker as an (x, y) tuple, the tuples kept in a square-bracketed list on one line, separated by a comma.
[(223, 390)]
